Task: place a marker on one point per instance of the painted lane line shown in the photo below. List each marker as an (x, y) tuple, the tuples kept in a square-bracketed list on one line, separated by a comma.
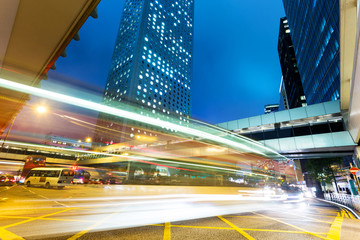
[(7, 235), (64, 205), (239, 230), (340, 205), (280, 231), (335, 229), (298, 228), (184, 226), (309, 219), (79, 234), (167, 231), (36, 218), (245, 229)]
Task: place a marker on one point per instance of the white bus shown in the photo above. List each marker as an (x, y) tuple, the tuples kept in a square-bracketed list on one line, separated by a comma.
[(49, 177)]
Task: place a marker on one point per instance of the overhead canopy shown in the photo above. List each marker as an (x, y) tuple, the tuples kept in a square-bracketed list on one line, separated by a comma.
[(33, 34)]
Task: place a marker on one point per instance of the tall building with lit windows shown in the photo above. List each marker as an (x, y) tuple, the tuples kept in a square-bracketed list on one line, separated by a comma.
[(291, 89), (315, 34), (152, 60), (151, 65)]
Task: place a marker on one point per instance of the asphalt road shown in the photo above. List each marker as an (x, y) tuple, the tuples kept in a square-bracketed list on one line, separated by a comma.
[(163, 212)]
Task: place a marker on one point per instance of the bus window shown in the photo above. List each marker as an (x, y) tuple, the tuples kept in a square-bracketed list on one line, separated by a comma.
[(67, 173), (53, 174), (32, 173)]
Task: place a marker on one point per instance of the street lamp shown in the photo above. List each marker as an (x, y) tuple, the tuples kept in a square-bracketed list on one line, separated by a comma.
[(88, 140), (40, 109)]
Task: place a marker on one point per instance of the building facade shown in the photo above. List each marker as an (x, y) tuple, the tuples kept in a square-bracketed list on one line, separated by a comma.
[(151, 66), (291, 90), (269, 108), (314, 29), (152, 60)]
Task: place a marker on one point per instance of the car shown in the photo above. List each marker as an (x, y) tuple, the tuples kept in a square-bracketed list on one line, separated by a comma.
[(7, 180), (292, 195), (97, 181), (115, 180)]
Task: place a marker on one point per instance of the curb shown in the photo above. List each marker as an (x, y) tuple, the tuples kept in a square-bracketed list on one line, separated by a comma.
[(340, 205)]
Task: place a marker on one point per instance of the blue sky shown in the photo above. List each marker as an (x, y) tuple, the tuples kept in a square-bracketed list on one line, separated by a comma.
[(236, 65)]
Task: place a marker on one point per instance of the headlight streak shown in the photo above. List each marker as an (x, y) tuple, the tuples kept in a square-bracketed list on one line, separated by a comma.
[(153, 200), (132, 158), (126, 114)]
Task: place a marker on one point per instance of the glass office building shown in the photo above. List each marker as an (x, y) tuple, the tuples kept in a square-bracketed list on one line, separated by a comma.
[(315, 33), (152, 60), (291, 90), (151, 67)]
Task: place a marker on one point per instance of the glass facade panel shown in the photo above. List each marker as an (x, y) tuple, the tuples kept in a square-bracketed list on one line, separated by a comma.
[(315, 34)]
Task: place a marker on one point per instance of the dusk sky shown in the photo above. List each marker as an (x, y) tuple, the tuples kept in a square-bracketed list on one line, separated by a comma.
[(236, 68)]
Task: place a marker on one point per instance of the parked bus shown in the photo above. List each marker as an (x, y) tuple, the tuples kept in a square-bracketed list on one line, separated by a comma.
[(32, 161), (49, 177), (81, 176)]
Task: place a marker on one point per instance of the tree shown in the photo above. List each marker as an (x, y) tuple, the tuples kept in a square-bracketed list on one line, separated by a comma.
[(323, 170)]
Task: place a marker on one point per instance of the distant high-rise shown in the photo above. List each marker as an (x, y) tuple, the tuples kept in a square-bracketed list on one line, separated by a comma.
[(291, 90), (269, 108), (314, 30), (151, 65), (152, 60)]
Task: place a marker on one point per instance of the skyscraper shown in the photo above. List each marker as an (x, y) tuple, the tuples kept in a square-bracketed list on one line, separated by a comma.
[(152, 60), (151, 65), (314, 30), (291, 90), (269, 108)]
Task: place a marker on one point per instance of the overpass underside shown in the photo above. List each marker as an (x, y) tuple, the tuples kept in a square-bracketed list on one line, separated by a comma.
[(315, 131)]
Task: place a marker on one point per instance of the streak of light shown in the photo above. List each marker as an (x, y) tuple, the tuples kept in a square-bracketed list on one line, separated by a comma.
[(12, 163), (131, 158), (256, 195), (127, 114)]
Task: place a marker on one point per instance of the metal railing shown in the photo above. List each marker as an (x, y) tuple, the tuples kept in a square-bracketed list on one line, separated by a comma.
[(345, 199)]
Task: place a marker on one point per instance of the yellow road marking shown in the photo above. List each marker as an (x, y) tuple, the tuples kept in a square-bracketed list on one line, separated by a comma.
[(242, 216), (320, 215), (183, 226), (282, 231), (350, 215), (343, 213), (326, 210), (335, 229), (285, 218), (7, 235), (167, 231), (50, 219), (301, 229), (67, 220), (79, 234), (247, 236), (36, 218), (5, 216), (245, 229)]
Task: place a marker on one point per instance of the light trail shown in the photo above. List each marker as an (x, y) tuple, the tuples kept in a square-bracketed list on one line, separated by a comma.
[(132, 116), (133, 157)]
